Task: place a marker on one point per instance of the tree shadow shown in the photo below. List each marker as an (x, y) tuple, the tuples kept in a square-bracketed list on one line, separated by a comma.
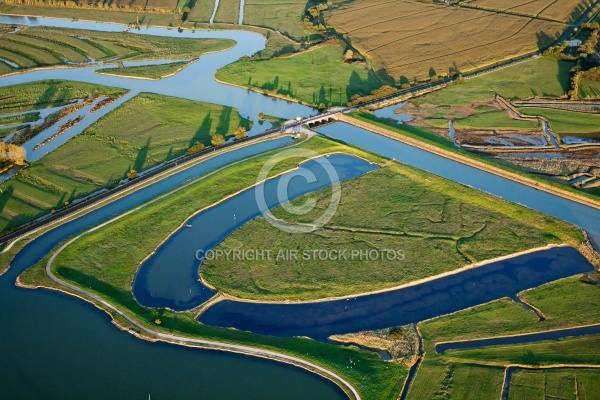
[(5, 196), (140, 159), (203, 131), (224, 121)]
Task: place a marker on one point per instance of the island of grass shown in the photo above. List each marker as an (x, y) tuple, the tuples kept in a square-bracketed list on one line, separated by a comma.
[(439, 225), (152, 72), (566, 303), (145, 131), (317, 76), (104, 262)]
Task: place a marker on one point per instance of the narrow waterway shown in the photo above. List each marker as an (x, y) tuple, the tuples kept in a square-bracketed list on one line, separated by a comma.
[(412, 304)]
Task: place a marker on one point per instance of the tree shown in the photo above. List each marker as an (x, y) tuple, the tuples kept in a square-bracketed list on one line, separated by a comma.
[(217, 140), (240, 133), (349, 56), (132, 174), (196, 148)]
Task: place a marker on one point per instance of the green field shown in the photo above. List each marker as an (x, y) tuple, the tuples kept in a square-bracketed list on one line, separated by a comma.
[(538, 77), (42, 46), (151, 129), (566, 123), (456, 381), (573, 384), (145, 71), (385, 209), (318, 76), (589, 89), (104, 262)]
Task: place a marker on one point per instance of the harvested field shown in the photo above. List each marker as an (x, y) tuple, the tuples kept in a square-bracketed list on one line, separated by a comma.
[(558, 10), (416, 40)]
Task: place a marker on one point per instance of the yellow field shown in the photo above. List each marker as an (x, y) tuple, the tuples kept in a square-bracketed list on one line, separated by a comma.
[(416, 40), (559, 10)]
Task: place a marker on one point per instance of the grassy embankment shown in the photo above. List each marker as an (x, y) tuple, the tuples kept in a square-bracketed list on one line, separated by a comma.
[(104, 262), (317, 76), (41, 47), (564, 303), (454, 227), (151, 129), (153, 72), (566, 123)]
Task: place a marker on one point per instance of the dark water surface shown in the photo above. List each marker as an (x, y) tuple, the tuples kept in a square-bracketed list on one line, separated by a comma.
[(403, 306)]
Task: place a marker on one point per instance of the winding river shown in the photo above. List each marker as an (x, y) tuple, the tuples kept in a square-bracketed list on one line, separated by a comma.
[(54, 346)]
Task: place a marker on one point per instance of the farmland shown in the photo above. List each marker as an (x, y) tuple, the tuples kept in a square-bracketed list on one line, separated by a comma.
[(151, 129), (42, 47), (416, 40), (317, 76), (454, 228)]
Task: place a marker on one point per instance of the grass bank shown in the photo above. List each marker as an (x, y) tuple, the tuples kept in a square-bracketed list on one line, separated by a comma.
[(111, 262)]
